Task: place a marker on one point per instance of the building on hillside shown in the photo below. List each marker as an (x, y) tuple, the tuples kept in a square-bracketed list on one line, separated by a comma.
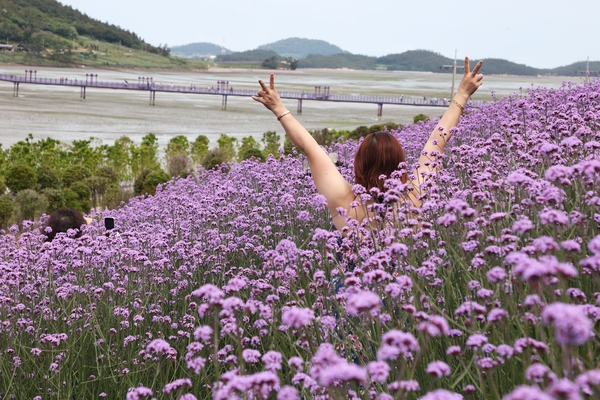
[(6, 47), (23, 47)]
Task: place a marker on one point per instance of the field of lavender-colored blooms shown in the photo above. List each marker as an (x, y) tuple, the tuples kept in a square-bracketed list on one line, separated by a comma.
[(230, 283)]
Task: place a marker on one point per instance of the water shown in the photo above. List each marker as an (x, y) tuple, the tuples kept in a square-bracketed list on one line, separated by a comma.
[(59, 113)]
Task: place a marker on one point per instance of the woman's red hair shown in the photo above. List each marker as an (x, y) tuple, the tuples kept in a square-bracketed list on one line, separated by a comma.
[(379, 154)]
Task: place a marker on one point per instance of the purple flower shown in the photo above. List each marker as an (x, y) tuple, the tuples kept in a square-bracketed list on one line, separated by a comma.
[(536, 373), (438, 369), (378, 370), (272, 360), (298, 317), (496, 275), (364, 301), (441, 394), (203, 333), (176, 384), (138, 393), (288, 393), (251, 356), (524, 392), (571, 324), (476, 341), (564, 389)]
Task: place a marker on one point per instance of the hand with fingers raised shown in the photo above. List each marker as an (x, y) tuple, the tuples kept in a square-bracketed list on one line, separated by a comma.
[(269, 98), (471, 80)]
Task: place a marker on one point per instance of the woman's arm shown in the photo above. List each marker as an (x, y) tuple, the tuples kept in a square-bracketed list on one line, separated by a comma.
[(469, 84), (329, 182)]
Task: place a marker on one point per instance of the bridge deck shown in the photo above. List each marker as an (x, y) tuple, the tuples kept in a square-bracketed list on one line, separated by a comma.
[(192, 89)]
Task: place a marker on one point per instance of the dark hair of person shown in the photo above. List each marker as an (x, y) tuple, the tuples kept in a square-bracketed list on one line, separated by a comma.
[(379, 154), (62, 220)]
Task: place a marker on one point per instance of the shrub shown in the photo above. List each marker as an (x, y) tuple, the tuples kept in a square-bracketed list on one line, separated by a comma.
[(214, 158), (7, 209), (153, 179), (20, 177), (420, 117), (30, 204)]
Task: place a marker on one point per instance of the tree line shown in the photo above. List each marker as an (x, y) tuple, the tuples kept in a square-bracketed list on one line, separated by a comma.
[(39, 176)]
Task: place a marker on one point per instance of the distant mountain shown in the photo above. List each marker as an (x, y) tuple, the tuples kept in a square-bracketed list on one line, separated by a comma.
[(200, 49), (300, 48)]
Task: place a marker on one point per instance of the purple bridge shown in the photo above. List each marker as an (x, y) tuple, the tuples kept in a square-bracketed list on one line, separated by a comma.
[(222, 89)]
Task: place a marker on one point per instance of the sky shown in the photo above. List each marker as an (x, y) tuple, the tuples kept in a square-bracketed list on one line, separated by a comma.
[(538, 33)]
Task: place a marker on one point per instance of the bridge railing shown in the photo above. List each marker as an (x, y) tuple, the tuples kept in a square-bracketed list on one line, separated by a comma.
[(230, 91)]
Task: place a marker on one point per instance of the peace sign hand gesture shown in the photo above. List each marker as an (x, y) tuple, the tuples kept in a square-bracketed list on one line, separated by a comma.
[(471, 80)]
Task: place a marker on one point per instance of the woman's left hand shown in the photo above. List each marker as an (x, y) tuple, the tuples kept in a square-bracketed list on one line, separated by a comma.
[(269, 97), (471, 80)]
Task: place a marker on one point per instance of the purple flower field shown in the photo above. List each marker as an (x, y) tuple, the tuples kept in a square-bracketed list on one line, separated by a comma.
[(232, 284)]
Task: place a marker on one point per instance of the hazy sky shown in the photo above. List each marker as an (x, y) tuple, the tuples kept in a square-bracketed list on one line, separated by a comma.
[(539, 33)]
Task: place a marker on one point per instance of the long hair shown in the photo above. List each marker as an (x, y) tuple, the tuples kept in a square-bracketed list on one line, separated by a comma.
[(62, 220), (379, 154)]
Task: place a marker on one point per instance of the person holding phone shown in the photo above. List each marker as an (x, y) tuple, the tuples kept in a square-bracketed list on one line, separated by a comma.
[(379, 154)]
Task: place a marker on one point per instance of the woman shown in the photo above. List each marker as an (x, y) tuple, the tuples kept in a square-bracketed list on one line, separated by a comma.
[(379, 154), (62, 220)]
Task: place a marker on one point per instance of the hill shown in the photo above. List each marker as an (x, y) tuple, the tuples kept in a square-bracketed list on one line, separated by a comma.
[(344, 60), (249, 55), (415, 60), (577, 69), (200, 49), (300, 48), (48, 24)]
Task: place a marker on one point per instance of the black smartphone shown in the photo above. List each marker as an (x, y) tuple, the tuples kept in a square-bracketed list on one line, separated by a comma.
[(109, 223)]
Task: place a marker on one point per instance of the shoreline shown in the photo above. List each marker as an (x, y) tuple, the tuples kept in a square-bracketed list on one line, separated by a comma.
[(222, 70)]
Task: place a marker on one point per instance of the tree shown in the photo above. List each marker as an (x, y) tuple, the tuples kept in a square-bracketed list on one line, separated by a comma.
[(146, 155), (248, 144), (20, 177), (288, 145), (227, 145), (138, 184), (271, 63), (55, 199), (7, 209), (271, 141), (47, 177), (177, 145), (29, 203), (179, 164), (76, 173), (199, 149), (2, 185), (154, 179), (214, 158), (253, 153), (119, 158)]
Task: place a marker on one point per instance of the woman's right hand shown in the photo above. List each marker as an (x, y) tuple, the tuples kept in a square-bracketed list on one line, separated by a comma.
[(269, 97)]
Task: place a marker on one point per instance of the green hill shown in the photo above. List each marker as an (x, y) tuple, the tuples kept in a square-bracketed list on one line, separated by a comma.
[(300, 48), (49, 24), (197, 50), (344, 60), (250, 55), (577, 69), (55, 34), (415, 60)]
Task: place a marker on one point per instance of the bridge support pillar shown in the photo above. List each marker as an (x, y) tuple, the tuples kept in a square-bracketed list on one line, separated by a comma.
[(15, 89), (299, 106), (153, 97), (82, 92), (379, 109), (224, 102)]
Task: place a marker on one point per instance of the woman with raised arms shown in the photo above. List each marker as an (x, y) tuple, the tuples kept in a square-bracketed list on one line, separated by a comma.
[(379, 154)]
